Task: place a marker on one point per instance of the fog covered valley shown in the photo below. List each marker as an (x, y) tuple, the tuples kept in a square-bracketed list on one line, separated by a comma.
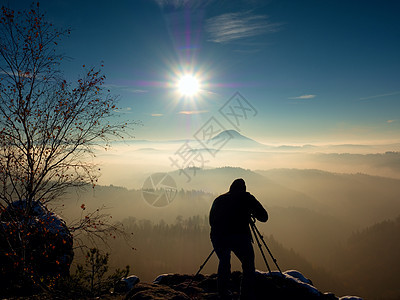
[(338, 229)]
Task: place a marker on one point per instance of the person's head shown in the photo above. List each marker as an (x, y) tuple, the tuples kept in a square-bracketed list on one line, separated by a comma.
[(238, 185)]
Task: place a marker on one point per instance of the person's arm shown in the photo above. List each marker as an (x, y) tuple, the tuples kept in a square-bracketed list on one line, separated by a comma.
[(258, 211), (211, 218), (215, 212)]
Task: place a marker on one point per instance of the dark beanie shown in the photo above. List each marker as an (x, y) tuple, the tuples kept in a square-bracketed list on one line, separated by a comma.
[(238, 185)]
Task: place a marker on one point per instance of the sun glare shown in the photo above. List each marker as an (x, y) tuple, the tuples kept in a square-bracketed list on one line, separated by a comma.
[(188, 85)]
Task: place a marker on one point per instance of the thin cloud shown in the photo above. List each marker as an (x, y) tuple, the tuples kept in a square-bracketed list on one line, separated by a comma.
[(309, 96), (391, 121), (125, 88), (137, 91), (381, 95), (111, 85), (157, 115), (234, 26), (124, 110), (192, 112)]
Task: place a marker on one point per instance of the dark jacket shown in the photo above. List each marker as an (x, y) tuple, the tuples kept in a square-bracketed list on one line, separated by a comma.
[(230, 213)]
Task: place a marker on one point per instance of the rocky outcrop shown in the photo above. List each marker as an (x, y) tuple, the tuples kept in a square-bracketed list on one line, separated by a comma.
[(35, 244), (288, 285), (147, 291)]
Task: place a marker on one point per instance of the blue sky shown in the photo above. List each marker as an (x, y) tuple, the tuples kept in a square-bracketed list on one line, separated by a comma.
[(314, 71)]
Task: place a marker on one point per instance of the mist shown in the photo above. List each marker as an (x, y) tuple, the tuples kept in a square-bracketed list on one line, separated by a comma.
[(129, 164), (326, 211)]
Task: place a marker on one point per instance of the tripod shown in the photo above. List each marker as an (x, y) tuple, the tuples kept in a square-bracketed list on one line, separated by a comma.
[(201, 268), (258, 236)]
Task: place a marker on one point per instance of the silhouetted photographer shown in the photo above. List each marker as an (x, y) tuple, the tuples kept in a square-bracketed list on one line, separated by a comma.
[(230, 216)]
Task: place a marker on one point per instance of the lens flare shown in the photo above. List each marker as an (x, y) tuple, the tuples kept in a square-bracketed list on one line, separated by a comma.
[(188, 85)]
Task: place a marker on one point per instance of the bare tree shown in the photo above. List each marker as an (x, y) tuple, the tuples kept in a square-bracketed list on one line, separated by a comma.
[(49, 127)]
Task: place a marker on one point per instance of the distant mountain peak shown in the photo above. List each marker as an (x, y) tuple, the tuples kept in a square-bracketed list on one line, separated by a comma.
[(233, 133), (237, 138)]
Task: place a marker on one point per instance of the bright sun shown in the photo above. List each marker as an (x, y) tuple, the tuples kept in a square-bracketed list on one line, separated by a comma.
[(188, 85)]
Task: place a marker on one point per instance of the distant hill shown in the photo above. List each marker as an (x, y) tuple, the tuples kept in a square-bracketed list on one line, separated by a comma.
[(236, 140), (358, 198), (311, 211), (218, 181), (370, 260)]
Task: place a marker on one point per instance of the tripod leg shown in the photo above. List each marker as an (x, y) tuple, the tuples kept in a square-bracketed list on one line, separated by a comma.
[(201, 268), (259, 246), (254, 227)]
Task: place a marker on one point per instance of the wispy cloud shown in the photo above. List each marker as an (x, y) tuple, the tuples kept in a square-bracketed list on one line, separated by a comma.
[(308, 96), (157, 115), (229, 27), (125, 88), (381, 95), (137, 91), (124, 110), (391, 121), (192, 112)]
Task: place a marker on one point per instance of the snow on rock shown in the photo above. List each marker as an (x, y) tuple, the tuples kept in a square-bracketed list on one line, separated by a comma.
[(161, 278), (298, 280), (131, 281), (126, 284), (298, 275)]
